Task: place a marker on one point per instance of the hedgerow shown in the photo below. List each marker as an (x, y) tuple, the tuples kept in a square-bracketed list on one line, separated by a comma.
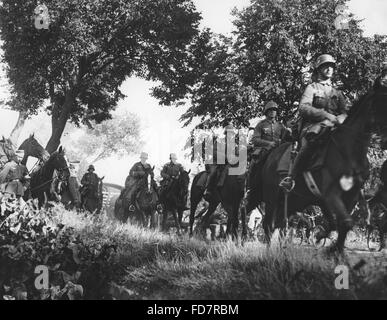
[(29, 237)]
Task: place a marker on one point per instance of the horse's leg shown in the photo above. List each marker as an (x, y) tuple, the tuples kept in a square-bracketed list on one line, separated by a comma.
[(180, 216), (344, 221), (206, 218), (164, 219), (267, 224), (176, 218), (232, 220), (195, 199)]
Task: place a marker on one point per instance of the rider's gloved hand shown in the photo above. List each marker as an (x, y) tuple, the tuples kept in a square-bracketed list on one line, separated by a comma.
[(332, 118)]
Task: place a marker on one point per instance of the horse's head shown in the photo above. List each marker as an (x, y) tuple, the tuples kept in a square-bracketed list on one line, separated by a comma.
[(183, 182), (370, 112), (34, 149), (58, 161)]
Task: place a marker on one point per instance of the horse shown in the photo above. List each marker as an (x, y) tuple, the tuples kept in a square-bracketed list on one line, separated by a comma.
[(42, 178), (146, 204), (67, 192), (32, 148), (339, 178), (92, 198), (229, 196), (173, 199)]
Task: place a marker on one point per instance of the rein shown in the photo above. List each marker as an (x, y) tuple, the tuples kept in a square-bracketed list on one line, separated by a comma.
[(59, 177)]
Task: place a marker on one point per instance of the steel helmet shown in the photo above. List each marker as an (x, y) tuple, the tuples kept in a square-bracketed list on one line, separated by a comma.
[(91, 167), (270, 105), (324, 58), (144, 155)]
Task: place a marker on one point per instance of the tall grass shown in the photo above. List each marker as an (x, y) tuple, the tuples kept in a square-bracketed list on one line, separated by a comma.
[(160, 266)]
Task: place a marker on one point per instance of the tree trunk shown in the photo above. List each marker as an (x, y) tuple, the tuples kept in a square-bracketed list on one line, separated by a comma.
[(15, 134), (59, 117)]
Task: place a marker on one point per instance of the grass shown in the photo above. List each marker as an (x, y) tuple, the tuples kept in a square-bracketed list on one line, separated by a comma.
[(161, 266)]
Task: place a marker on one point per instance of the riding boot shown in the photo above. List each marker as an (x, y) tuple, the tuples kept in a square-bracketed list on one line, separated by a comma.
[(305, 152), (132, 201), (251, 181)]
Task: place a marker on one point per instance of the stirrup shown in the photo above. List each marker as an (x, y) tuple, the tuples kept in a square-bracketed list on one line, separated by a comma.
[(287, 184)]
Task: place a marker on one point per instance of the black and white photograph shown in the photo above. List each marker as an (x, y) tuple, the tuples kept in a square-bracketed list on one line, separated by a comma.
[(193, 155)]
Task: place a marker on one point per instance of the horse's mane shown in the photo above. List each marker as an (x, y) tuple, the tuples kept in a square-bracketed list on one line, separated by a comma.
[(45, 166), (359, 105)]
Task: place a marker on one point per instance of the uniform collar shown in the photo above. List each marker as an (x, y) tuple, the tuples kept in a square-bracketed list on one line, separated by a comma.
[(327, 82), (271, 121)]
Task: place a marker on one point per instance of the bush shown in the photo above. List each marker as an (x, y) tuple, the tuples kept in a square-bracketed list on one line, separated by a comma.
[(30, 237)]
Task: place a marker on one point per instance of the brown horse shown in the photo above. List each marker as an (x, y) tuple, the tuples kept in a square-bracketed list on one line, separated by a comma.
[(32, 148), (229, 196), (345, 161), (173, 198)]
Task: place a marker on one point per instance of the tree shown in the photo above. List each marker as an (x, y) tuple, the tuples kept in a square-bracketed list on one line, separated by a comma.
[(272, 56), (220, 95), (90, 47), (117, 136)]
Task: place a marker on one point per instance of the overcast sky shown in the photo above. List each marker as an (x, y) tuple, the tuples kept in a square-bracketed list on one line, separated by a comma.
[(162, 130)]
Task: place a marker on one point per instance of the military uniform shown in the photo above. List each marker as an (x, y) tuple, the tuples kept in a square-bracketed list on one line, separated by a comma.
[(89, 178), (134, 179), (268, 134), (13, 177), (265, 133), (319, 104), (319, 101), (171, 170)]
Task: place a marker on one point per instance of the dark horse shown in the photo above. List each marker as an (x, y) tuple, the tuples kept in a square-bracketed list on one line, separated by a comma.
[(229, 195), (341, 176), (173, 198), (32, 148), (66, 190), (42, 178), (146, 202), (92, 198)]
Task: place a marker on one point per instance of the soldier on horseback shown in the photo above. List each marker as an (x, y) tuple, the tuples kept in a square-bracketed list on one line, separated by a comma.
[(14, 177), (89, 180), (133, 181), (321, 107), (268, 134), (217, 171), (170, 171)]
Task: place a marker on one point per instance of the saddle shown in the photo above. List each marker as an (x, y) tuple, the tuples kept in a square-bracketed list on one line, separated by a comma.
[(318, 145)]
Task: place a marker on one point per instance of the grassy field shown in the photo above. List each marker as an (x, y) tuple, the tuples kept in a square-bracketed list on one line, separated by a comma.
[(159, 266)]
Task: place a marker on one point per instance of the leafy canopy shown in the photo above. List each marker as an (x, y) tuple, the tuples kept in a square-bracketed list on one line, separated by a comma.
[(271, 57), (91, 47)]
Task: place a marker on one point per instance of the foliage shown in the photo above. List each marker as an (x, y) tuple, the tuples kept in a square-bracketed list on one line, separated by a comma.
[(135, 263), (220, 95), (90, 48), (117, 136), (29, 237), (272, 56)]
